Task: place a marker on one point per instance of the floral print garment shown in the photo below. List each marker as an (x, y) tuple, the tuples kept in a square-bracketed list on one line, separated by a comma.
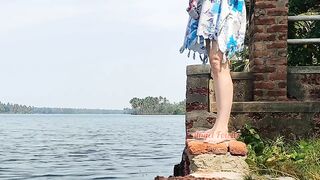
[(220, 20)]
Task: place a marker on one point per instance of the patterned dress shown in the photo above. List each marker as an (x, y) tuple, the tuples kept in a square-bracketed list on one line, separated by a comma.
[(220, 20)]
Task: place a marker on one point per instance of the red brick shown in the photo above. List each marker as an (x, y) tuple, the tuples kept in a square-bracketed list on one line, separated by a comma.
[(259, 76), (283, 20), (283, 36), (198, 90), (264, 37), (282, 85), (277, 93), (277, 12), (277, 76), (282, 52), (259, 28), (282, 69), (274, 61), (282, 98), (264, 85), (258, 92), (278, 44), (258, 61), (264, 4), (199, 147), (259, 46), (196, 106), (265, 21), (263, 68), (238, 148), (259, 54), (277, 28)]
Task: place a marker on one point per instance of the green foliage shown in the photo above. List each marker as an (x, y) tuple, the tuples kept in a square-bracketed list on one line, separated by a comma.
[(299, 159), (241, 63), (304, 55), (250, 136), (156, 105)]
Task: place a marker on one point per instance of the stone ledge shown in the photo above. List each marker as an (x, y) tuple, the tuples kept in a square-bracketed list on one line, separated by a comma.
[(304, 69), (273, 106), (198, 69), (205, 70)]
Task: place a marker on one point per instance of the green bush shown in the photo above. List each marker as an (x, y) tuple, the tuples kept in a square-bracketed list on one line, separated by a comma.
[(300, 159), (308, 54)]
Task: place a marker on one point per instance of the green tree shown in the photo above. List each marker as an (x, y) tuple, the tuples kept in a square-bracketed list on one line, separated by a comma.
[(156, 105), (304, 55)]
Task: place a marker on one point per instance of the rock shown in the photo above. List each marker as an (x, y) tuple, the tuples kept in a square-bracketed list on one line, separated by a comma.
[(220, 175), (212, 163), (237, 148)]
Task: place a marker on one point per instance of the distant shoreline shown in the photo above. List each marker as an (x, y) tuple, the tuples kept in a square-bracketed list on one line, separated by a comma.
[(92, 114)]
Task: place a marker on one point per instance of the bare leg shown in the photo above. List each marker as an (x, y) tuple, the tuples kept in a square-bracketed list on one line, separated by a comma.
[(223, 85)]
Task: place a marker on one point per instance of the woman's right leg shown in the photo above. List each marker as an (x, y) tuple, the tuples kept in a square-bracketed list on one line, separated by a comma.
[(223, 86)]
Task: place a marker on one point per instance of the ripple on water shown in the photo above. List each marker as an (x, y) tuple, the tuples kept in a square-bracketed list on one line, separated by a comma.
[(89, 146)]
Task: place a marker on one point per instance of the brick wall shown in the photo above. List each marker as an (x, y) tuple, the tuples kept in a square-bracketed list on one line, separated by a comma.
[(268, 49)]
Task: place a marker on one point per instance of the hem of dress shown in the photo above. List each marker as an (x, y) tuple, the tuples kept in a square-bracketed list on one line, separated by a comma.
[(214, 38)]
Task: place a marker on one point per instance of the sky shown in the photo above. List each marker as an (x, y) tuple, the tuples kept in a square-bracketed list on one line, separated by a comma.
[(92, 53)]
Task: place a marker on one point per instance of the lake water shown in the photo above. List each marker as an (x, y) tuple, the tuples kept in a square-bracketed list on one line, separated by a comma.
[(89, 146)]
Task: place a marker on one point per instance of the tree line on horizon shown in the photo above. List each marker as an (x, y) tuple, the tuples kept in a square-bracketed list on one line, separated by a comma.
[(156, 106), (8, 108)]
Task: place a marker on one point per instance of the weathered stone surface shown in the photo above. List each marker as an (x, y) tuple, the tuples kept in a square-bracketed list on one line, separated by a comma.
[(194, 106), (243, 87), (198, 81), (186, 178), (199, 120), (198, 69), (206, 163), (238, 148), (293, 125), (198, 147), (220, 175), (304, 83)]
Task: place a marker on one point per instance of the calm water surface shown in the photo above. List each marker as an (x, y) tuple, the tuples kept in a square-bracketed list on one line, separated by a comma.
[(89, 146)]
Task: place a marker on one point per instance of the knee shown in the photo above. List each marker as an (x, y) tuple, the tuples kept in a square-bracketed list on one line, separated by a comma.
[(215, 63)]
